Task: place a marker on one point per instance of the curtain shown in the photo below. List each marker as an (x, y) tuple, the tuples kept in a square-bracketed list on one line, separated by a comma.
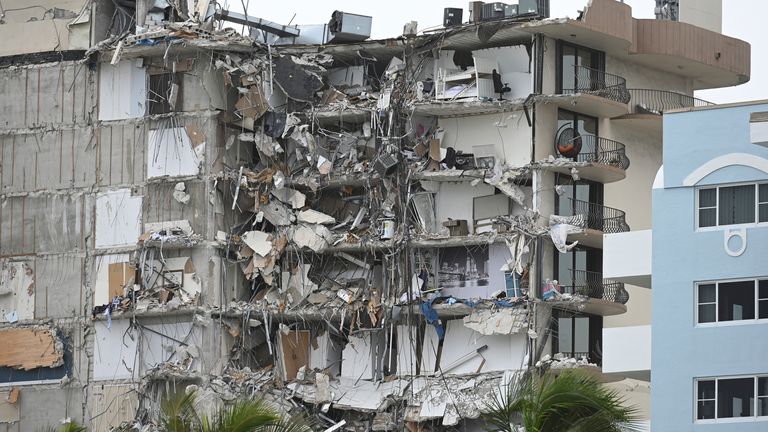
[(737, 205)]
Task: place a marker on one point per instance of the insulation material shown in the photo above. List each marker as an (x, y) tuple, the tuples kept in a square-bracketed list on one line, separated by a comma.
[(122, 90), (112, 405), (294, 350), (9, 406), (29, 348), (170, 153), (116, 349), (17, 291), (118, 218), (112, 272)]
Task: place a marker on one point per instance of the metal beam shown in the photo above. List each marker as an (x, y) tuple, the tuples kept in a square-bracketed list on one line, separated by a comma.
[(262, 24)]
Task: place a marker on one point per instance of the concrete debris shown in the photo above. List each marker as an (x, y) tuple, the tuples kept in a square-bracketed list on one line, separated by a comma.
[(179, 193), (259, 242), (327, 226), (315, 217), (498, 322)]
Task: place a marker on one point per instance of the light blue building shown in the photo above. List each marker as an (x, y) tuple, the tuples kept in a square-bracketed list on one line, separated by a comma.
[(709, 369)]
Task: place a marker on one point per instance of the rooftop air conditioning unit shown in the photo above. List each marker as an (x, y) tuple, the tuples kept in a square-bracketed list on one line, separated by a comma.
[(498, 10), (348, 27)]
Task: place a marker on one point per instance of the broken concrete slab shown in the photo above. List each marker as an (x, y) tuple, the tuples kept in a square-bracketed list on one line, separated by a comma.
[(315, 217), (260, 242), (498, 322), (315, 237), (290, 196)]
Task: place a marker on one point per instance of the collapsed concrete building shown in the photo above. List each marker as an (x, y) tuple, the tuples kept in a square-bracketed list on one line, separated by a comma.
[(376, 233)]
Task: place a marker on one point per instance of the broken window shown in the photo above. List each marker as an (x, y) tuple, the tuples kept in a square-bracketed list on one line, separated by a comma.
[(732, 205), (722, 398), (164, 92), (731, 301)]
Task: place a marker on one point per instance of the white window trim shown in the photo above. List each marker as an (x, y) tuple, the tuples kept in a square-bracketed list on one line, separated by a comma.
[(716, 379), (717, 322), (717, 226)]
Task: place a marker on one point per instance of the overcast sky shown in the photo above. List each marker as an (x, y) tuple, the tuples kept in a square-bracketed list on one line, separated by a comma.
[(743, 19)]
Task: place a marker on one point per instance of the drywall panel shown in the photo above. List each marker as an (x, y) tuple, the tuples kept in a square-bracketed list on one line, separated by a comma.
[(118, 218), (357, 359), (121, 352), (461, 345), (17, 291), (325, 353), (112, 405), (59, 286), (508, 133), (170, 153), (122, 90)]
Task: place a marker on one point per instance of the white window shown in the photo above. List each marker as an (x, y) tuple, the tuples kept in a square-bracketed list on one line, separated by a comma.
[(741, 300), (733, 205), (732, 397)]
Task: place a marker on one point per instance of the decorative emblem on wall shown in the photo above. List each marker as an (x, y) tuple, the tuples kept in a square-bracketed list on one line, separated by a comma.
[(729, 241)]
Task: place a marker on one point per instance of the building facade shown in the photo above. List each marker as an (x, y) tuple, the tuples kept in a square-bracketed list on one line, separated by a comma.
[(708, 271), (379, 233)]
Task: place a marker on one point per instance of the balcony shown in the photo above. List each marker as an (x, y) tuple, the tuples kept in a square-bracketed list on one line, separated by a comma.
[(627, 352), (593, 92), (647, 105), (627, 257), (606, 297), (595, 220), (607, 158)]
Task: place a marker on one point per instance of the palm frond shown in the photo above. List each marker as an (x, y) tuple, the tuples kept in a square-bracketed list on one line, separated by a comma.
[(243, 416), (178, 413), (571, 401)]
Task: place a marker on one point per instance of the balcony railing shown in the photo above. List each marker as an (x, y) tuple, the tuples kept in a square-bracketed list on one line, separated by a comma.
[(598, 83), (591, 284), (647, 101), (589, 215), (598, 150)]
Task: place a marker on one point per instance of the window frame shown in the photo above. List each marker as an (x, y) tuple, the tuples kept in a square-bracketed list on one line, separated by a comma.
[(717, 188), (717, 323), (756, 399)]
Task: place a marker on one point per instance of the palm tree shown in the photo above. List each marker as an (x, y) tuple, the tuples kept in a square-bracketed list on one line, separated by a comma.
[(571, 401), (256, 415)]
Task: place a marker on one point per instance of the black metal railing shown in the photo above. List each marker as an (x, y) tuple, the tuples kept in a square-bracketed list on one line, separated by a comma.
[(598, 217), (648, 101), (599, 150), (598, 83), (591, 284)]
